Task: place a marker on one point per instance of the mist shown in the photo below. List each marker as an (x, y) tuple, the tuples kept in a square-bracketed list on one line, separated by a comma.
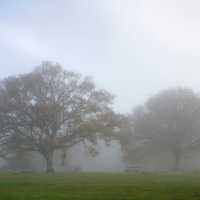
[(133, 49)]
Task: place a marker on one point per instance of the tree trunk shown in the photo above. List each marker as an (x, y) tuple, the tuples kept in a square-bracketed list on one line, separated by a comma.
[(49, 159), (177, 162)]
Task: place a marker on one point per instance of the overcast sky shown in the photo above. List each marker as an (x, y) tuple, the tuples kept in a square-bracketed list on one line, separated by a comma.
[(132, 48)]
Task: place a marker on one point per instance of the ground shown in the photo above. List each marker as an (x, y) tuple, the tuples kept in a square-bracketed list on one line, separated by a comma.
[(97, 186)]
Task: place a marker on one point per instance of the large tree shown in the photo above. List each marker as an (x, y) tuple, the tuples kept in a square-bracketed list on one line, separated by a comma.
[(168, 122), (52, 109)]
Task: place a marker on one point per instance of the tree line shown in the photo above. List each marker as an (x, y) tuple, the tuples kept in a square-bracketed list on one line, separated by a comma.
[(51, 109)]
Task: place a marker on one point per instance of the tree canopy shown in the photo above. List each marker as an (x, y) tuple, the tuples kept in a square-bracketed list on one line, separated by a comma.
[(167, 122), (52, 109)]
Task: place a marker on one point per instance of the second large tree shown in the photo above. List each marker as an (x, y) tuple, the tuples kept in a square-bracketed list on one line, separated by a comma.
[(168, 122)]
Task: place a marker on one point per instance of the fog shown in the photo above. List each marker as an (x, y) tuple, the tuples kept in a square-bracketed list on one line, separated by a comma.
[(133, 49), (108, 160)]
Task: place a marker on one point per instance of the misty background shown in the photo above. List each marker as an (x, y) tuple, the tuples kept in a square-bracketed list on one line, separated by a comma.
[(132, 48)]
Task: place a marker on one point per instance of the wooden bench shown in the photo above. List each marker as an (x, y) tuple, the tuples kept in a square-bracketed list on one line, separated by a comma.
[(133, 168)]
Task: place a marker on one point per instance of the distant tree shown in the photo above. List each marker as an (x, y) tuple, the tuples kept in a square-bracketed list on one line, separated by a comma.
[(53, 109), (167, 122), (24, 163)]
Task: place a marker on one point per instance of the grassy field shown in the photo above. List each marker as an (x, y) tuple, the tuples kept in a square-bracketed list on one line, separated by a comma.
[(96, 186)]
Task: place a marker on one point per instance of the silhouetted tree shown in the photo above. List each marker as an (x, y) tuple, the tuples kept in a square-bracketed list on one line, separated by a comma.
[(53, 109), (167, 122)]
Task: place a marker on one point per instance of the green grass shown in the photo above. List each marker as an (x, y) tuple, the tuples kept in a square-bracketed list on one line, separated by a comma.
[(96, 186)]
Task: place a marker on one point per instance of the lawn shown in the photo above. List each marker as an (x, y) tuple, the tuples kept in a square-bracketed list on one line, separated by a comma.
[(96, 186)]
